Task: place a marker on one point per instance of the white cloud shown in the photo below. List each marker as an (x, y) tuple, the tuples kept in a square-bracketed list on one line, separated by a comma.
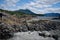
[(47, 10), (45, 5), (37, 6), (47, 1), (9, 3)]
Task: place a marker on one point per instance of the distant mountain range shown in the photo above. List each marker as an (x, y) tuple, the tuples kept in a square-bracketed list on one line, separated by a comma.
[(19, 12), (27, 11), (52, 14)]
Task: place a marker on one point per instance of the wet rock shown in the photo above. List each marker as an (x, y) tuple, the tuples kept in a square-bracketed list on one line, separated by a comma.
[(55, 37)]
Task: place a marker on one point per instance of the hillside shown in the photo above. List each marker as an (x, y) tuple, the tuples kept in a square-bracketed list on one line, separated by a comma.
[(21, 12), (26, 11), (13, 12), (16, 18)]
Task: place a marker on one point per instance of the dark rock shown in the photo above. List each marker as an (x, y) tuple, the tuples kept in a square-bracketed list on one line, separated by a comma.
[(42, 34), (5, 31), (55, 37)]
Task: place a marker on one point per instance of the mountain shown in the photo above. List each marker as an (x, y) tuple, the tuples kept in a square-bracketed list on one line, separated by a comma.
[(26, 11), (52, 14), (21, 12)]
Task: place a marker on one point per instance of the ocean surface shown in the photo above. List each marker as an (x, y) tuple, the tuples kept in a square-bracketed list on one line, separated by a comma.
[(45, 18)]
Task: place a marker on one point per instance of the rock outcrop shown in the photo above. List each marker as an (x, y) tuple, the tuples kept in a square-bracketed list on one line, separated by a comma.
[(11, 24), (6, 31)]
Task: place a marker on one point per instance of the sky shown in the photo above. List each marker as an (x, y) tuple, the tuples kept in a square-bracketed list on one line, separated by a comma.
[(36, 6)]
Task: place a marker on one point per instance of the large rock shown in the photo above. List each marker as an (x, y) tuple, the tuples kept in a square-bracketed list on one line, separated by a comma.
[(5, 31)]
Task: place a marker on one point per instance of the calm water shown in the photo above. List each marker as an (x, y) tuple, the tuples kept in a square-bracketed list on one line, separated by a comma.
[(46, 18)]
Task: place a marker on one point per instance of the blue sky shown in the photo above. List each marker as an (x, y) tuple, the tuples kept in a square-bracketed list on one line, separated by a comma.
[(37, 6)]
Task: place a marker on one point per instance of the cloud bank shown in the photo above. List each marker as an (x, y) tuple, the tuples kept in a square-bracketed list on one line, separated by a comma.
[(8, 3), (37, 6)]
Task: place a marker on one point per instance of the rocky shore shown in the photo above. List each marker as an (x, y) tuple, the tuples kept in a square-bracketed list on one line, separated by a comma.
[(10, 24), (7, 31)]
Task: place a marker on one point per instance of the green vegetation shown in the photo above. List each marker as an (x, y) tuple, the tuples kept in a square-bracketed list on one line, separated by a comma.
[(18, 13), (13, 12)]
